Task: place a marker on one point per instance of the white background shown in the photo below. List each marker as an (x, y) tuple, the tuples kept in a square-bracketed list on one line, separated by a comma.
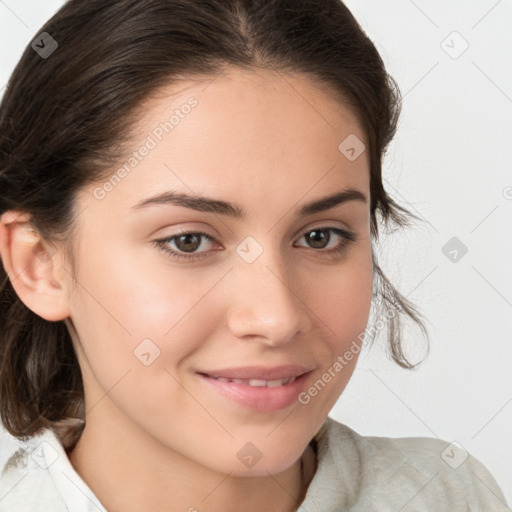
[(451, 163)]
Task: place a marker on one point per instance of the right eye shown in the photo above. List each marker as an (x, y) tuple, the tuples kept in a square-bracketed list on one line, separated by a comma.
[(190, 239)]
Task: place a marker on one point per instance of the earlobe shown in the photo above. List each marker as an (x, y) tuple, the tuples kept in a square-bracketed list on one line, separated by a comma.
[(31, 264)]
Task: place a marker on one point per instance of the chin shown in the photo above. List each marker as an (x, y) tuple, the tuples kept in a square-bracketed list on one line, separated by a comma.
[(271, 455)]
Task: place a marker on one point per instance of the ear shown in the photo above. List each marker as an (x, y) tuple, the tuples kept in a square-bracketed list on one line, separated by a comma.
[(34, 267)]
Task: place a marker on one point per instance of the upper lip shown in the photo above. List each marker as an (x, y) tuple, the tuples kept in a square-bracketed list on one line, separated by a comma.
[(259, 372)]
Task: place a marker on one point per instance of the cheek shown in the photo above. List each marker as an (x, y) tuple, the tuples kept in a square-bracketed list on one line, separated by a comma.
[(133, 307), (342, 300)]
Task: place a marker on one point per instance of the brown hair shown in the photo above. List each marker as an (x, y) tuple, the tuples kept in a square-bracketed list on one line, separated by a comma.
[(64, 120)]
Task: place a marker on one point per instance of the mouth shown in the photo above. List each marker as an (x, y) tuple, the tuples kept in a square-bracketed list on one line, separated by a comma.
[(257, 383), (257, 388)]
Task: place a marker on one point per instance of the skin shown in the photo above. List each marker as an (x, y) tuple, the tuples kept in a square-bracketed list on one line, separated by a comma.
[(157, 438)]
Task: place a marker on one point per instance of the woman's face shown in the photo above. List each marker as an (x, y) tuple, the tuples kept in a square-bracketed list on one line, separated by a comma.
[(264, 295)]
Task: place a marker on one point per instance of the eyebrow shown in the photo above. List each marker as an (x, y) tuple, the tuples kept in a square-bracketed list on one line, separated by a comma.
[(206, 204)]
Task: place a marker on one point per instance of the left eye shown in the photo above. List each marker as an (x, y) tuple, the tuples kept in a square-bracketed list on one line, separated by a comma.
[(189, 242)]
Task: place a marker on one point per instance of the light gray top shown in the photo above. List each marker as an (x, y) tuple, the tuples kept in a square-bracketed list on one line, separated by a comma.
[(354, 473)]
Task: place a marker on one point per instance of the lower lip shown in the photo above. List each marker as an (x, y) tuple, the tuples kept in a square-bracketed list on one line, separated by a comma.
[(260, 398)]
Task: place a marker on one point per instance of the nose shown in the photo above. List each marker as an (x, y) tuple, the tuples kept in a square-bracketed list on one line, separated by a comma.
[(266, 304)]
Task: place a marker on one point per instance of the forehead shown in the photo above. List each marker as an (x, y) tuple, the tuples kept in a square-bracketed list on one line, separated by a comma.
[(246, 134), (243, 97)]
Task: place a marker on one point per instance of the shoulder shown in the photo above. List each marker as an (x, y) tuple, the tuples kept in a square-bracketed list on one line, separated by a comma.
[(38, 476), (417, 473), (25, 483)]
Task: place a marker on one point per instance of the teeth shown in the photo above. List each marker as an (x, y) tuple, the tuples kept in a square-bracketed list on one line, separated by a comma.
[(260, 382), (257, 382), (276, 383)]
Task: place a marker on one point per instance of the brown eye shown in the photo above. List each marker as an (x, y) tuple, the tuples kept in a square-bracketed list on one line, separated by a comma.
[(184, 243), (320, 238), (185, 246)]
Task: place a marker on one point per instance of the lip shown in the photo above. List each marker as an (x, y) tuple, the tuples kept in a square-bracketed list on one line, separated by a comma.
[(259, 398)]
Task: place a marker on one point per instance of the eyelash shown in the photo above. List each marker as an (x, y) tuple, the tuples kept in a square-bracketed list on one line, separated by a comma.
[(163, 244)]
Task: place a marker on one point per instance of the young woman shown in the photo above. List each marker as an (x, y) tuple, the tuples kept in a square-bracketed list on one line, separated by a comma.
[(190, 194)]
